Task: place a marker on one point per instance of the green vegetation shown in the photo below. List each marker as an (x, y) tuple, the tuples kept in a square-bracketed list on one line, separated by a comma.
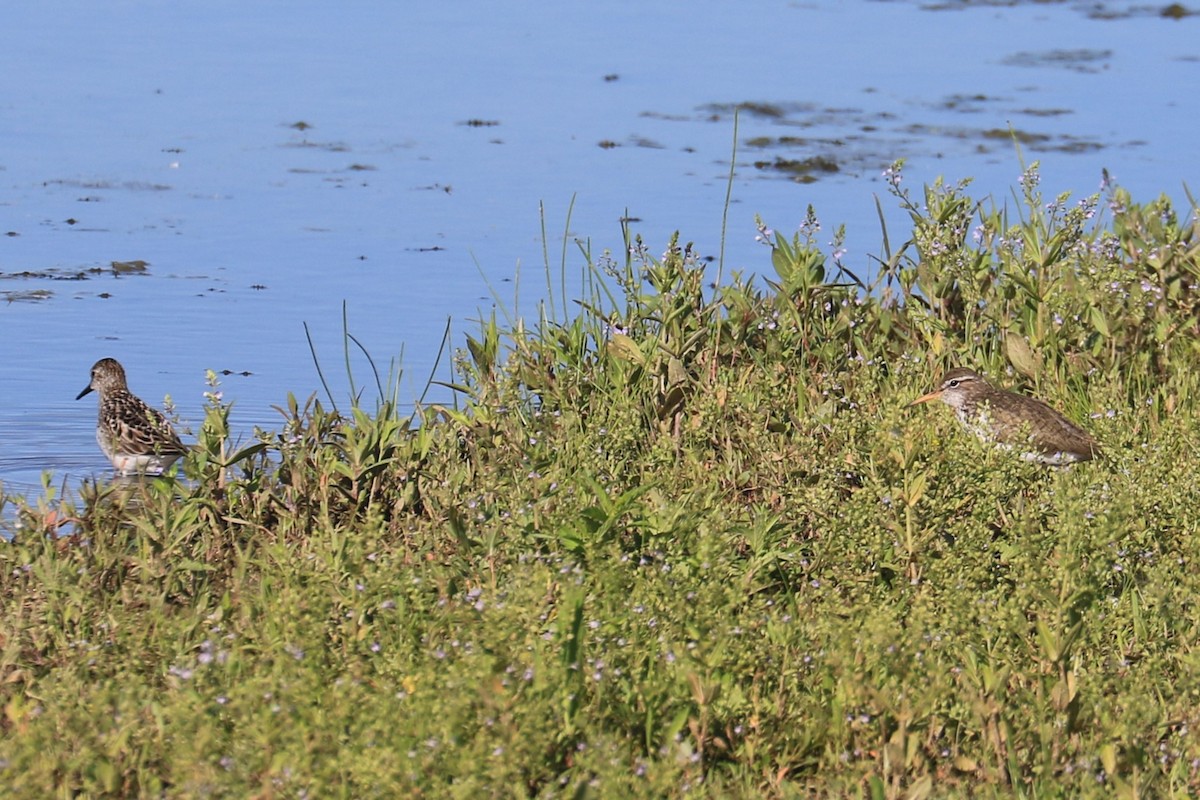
[(686, 542)]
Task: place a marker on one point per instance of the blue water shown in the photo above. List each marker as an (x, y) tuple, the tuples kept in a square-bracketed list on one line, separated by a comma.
[(272, 161)]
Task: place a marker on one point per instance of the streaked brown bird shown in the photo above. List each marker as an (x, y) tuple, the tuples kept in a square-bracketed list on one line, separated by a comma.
[(1011, 420), (135, 437)]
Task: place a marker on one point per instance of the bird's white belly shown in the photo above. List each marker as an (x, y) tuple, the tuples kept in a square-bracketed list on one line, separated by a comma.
[(135, 464), (981, 425)]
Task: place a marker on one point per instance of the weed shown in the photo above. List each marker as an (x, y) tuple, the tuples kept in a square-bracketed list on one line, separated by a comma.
[(685, 541)]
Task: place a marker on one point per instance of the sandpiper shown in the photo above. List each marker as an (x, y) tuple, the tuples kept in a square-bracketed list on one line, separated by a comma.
[(1012, 420), (135, 437)]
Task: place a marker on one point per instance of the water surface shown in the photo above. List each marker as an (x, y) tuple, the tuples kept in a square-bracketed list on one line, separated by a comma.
[(271, 161)]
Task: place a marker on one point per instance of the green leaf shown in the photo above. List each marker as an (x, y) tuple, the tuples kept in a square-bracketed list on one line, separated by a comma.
[(626, 349), (676, 373), (1099, 322), (1021, 356), (783, 258)]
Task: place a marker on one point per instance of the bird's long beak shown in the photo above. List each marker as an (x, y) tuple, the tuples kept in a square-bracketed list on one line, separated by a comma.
[(85, 391), (925, 398)]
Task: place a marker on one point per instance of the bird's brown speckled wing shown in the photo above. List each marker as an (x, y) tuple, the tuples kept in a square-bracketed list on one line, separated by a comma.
[(134, 428), (1047, 429)]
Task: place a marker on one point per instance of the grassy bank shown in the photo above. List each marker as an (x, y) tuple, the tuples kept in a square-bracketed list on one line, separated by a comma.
[(686, 542)]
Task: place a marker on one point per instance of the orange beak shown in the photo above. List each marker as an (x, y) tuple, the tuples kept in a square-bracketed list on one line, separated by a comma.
[(925, 398)]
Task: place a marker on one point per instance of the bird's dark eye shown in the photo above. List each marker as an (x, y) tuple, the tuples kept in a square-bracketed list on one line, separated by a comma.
[(954, 383)]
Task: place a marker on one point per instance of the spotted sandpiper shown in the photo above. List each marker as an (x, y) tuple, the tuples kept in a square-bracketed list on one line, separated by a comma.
[(1011, 420), (135, 437)]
